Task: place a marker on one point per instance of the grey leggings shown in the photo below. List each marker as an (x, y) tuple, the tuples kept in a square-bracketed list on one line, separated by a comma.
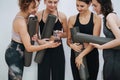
[(15, 60)]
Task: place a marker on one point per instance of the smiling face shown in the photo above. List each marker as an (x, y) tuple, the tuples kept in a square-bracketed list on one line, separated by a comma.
[(96, 6), (82, 7), (51, 5)]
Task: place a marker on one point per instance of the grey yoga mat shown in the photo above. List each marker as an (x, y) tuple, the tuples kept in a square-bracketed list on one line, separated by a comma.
[(47, 32), (32, 30), (83, 71), (81, 37)]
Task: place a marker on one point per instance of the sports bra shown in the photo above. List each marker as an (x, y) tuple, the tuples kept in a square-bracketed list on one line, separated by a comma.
[(15, 36)]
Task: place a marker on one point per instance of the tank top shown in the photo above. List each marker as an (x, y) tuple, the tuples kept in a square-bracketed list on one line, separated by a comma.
[(108, 33), (57, 26), (85, 28)]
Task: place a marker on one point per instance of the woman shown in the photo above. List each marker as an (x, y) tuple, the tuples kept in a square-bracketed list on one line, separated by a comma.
[(88, 23), (21, 40), (53, 63), (111, 30)]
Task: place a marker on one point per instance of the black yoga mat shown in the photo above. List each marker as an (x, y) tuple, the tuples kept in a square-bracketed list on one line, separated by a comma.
[(47, 32), (83, 71), (32, 29)]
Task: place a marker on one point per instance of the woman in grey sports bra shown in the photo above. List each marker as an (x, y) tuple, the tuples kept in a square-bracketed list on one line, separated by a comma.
[(21, 40)]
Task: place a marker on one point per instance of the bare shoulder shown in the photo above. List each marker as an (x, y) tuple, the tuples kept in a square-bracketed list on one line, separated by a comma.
[(112, 16), (72, 19), (19, 24), (96, 16), (62, 15)]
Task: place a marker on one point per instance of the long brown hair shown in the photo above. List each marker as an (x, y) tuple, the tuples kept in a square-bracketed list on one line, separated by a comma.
[(106, 6)]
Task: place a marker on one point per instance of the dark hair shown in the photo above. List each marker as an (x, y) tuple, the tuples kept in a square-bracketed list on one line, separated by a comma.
[(86, 1), (24, 4), (106, 6)]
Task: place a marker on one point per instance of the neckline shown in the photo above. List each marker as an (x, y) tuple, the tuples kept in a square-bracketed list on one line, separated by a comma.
[(87, 22)]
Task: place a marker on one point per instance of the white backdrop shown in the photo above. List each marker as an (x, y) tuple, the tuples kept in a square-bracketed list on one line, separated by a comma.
[(8, 9)]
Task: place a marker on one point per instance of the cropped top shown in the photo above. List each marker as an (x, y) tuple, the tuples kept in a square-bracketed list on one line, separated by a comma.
[(16, 36)]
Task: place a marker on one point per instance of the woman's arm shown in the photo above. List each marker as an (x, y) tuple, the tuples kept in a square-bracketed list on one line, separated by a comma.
[(115, 28), (70, 43), (21, 26), (63, 20)]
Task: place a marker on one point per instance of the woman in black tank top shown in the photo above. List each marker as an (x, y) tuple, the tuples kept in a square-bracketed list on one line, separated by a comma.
[(88, 23), (111, 29), (52, 66)]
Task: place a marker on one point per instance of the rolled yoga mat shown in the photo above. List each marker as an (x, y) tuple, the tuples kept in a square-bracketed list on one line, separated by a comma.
[(83, 71), (32, 30), (47, 32), (81, 37)]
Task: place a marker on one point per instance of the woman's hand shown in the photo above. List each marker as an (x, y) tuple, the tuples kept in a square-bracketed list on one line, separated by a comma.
[(96, 45), (60, 33), (79, 61), (55, 39), (40, 41), (76, 47), (52, 44), (43, 41), (35, 38)]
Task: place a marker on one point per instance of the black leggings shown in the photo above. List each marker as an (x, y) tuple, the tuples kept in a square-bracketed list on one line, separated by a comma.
[(15, 61)]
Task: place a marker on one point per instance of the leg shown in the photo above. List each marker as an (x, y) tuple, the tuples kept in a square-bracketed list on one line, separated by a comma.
[(108, 67), (117, 65), (14, 60), (75, 71), (44, 68), (93, 64), (58, 64)]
